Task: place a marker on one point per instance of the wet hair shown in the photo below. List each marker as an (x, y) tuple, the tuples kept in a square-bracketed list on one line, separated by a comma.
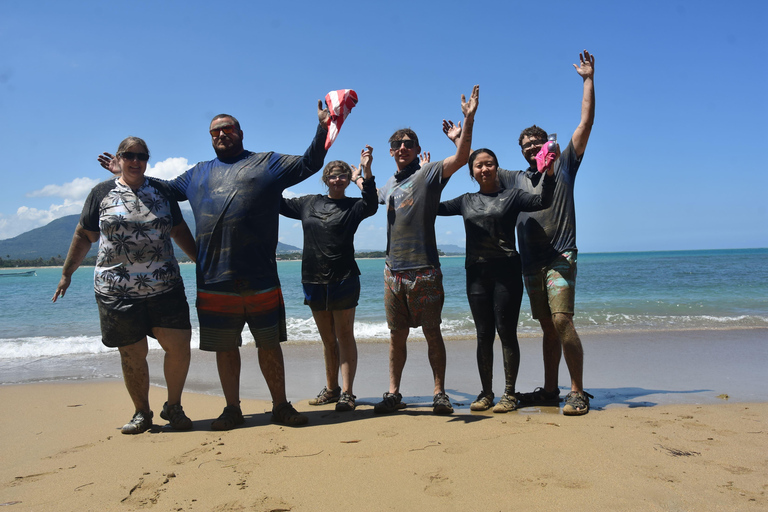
[(131, 141), (477, 153), (534, 132), (404, 132), (332, 166), (237, 123)]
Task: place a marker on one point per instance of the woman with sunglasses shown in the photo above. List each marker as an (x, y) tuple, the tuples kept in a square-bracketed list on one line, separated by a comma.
[(494, 273), (139, 291), (329, 273)]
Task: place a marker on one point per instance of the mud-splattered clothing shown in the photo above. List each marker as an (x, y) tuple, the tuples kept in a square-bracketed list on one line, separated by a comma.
[(412, 197), (543, 236), (329, 232)]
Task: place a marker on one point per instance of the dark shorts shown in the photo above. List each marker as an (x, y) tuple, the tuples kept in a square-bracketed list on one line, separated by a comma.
[(553, 289), (332, 296), (224, 308), (127, 321), (413, 298)]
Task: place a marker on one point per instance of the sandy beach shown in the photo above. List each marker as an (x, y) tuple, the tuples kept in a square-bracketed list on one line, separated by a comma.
[(63, 451), (679, 422)]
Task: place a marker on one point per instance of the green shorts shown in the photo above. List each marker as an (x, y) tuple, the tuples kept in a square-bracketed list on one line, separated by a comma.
[(553, 289)]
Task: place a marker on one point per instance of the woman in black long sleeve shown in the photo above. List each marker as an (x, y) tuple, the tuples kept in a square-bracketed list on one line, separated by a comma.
[(494, 278), (329, 273)]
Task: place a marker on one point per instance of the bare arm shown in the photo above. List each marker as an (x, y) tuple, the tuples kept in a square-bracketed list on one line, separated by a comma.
[(81, 244), (454, 162), (364, 171), (184, 239), (586, 70)]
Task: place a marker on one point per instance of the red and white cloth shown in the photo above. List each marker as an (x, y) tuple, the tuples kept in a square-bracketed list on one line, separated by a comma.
[(340, 104)]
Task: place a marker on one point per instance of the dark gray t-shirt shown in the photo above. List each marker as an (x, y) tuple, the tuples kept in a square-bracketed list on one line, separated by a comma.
[(546, 234), (489, 219), (412, 197)]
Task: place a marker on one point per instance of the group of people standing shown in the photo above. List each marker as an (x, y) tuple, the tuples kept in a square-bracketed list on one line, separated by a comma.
[(236, 199)]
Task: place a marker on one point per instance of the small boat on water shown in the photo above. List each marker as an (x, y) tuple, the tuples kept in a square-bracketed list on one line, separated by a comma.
[(26, 273)]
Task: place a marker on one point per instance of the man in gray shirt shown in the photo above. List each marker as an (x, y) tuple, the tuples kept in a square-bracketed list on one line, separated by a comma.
[(413, 292)]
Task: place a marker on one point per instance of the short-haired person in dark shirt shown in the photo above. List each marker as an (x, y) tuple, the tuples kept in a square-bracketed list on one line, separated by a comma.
[(329, 273), (494, 280), (236, 202), (413, 287)]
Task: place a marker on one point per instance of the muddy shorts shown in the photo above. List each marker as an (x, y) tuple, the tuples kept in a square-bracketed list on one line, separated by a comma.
[(223, 309), (553, 289), (413, 298), (332, 296), (127, 321)]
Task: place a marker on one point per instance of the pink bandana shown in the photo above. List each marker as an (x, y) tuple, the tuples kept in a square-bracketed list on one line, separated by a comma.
[(340, 104)]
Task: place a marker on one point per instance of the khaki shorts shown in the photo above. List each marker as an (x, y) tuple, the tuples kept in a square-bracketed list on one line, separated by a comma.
[(413, 298), (553, 289)]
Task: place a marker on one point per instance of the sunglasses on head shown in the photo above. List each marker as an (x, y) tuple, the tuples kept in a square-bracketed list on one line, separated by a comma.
[(409, 144), (228, 129), (129, 155)]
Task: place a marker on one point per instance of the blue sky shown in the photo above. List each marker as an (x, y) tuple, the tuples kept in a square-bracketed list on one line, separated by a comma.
[(680, 88)]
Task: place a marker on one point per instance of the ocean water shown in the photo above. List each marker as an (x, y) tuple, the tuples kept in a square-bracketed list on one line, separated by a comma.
[(616, 292)]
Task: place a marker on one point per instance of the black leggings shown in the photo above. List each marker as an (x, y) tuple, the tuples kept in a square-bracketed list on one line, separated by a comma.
[(495, 291)]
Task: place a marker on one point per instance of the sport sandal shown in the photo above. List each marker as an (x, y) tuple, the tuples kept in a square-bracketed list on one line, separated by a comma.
[(507, 403), (576, 403), (285, 414), (229, 419), (540, 397), (441, 404), (483, 402), (175, 417), (346, 402), (326, 397), (391, 403)]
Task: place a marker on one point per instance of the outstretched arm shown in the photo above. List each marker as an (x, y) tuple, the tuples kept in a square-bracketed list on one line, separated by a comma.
[(81, 244), (586, 70), (454, 162)]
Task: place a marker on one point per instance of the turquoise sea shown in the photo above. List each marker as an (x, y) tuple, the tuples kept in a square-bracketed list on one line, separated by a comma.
[(620, 293)]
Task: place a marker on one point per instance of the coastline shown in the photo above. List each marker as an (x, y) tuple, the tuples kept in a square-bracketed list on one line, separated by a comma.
[(69, 456)]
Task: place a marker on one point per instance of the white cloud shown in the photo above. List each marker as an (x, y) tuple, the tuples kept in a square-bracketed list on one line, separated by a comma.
[(168, 168), (75, 190)]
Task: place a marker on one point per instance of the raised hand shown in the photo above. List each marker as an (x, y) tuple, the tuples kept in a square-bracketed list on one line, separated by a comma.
[(322, 113), (366, 157), (469, 108), (109, 162), (424, 158), (586, 67), (452, 131)]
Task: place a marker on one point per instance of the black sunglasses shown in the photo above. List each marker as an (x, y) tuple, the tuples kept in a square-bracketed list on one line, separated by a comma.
[(534, 143), (129, 155), (409, 144)]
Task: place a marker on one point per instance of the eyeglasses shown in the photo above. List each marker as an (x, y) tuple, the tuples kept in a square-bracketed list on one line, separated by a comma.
[(536, 142), (342, 177), (409, 144), (228, 129), (128, 155)]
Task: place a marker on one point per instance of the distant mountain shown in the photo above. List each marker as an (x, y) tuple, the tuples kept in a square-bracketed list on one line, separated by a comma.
[(450, 249), (53, 240), (49, 241)]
